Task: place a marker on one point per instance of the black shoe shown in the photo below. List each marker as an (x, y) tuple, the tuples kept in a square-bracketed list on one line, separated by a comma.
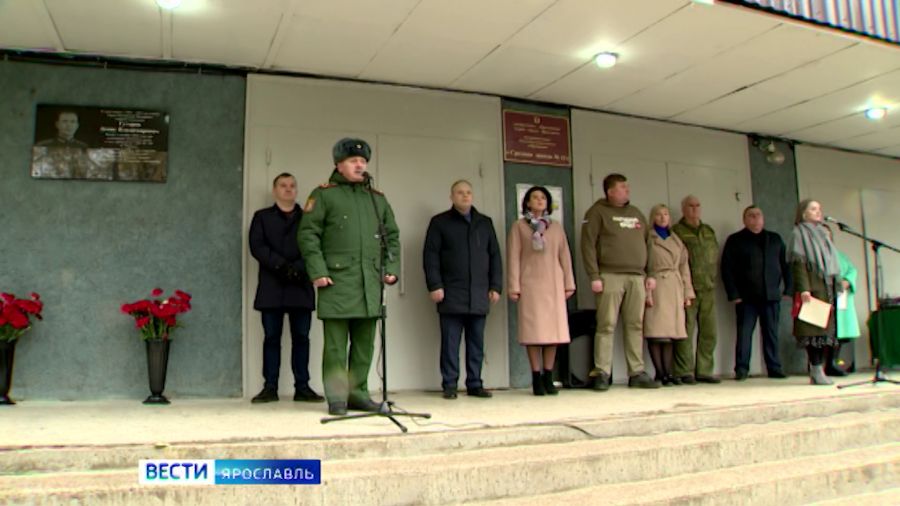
[(831, 370), (337, 408), (549, 387), (688, 379), (537, 384), (449, 393), (777, 374), (600, 382), (479, 392), (306, 394), (666, 381), (675, 380), (708, 379), (741, 375), (641, 380), (364, 405), (267, 395)]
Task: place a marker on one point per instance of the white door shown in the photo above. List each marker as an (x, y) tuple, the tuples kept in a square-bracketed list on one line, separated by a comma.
[(646, 178), (722, 201), (416, 173)]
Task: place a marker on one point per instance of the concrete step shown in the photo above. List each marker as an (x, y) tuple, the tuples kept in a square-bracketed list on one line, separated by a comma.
[(461, 475), (17, 460), (882, 498), (853, 476)]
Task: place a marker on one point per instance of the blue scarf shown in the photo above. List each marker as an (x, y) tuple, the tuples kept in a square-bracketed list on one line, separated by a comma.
[(662, 232)]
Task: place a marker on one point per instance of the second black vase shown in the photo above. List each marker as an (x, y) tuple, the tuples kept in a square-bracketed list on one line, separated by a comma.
[(157, 363)]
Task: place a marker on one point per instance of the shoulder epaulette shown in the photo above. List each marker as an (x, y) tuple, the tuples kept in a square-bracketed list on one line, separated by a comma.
[(327, 185), (373, 190)]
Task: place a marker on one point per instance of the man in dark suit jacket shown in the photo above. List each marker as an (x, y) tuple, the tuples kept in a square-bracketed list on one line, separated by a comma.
[(284, 288), (756, 275), (464, 274)]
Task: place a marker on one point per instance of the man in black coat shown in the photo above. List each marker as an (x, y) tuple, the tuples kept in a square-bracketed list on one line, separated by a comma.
[(756, 275), (464, 274), (284, 288)]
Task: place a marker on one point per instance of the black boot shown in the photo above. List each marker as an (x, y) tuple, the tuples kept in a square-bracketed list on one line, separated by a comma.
[(537, 383), (547, 379), (832, 355)]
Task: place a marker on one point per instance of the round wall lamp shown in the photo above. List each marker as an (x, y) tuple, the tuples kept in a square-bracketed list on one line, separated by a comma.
[(773, 155)]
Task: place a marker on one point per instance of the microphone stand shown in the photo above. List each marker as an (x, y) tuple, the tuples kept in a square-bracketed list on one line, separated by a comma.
[(876, 245), (386, 407)]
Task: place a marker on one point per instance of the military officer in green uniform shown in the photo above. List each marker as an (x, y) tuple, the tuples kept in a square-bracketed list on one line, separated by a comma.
[(340, 241), (703, 253)]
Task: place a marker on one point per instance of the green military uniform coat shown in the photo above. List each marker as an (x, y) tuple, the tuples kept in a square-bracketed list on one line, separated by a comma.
[(339, 238), (703, 255)]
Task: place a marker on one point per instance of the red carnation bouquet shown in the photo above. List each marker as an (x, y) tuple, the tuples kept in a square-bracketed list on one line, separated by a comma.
[(155, 317), (15, 315)]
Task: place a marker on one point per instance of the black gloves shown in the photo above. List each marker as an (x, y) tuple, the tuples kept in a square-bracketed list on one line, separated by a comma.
[(289, 273)]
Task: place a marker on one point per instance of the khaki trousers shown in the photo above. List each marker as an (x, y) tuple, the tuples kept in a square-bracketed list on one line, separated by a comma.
[(623, 295)]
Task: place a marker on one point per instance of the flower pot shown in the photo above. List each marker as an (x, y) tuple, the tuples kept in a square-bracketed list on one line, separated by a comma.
[(7, 353), (157, 363)]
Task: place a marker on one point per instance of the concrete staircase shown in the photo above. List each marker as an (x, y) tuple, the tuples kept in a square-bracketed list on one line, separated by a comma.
[(814, 451)]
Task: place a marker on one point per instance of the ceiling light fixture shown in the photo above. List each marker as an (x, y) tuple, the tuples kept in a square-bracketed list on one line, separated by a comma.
[(168, 4), (704, 2), (606, 59), (876, 113)]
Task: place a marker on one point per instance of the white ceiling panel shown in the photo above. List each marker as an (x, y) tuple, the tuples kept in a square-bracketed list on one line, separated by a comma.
[(515, 72), (690, 36), (833, 131), (833, 106), (881, 139), (323, 38), (352, 12), (730, 110), (844, 68), (228, 32), (334, 48), (582, 28), (417, 59), (113, 27), (592, 87), (25, 25), (754, 61), (490, 21), (892, 151)]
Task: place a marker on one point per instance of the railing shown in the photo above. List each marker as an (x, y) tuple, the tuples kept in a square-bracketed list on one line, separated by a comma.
[(878, 19)]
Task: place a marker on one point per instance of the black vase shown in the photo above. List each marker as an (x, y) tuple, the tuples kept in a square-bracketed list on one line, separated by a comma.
[(157, 363), (7, 354)]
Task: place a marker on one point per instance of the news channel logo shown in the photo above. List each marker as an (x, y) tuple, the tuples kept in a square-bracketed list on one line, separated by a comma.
[(229, 472)]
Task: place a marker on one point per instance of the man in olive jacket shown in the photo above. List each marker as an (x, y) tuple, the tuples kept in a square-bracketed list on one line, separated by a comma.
[(340, 239), (464, 274), (615, 249), (703, 254)]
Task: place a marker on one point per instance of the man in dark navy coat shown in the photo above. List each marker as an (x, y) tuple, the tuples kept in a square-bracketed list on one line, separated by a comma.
[(756, 276), (284, 288), (464, 274)]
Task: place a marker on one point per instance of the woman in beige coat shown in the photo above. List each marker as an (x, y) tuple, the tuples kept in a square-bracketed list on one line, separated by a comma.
[(664, 319), (540, 279)]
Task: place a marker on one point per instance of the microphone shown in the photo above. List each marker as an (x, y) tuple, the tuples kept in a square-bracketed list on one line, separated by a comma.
[(367, 178), (832, 219)]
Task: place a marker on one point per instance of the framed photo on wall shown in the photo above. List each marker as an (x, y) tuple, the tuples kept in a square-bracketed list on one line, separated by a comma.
[(100, 144)]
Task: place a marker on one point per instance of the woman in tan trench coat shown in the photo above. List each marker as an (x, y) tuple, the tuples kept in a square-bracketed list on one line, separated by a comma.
[(664, 319), (540, 279)]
